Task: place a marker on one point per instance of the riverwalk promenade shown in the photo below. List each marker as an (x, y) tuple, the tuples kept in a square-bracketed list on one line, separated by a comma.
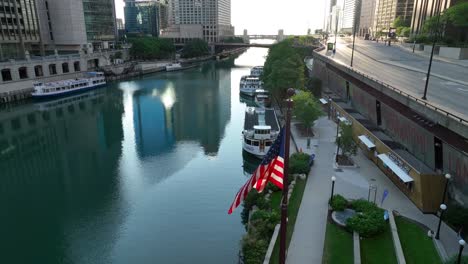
[(307, 241)]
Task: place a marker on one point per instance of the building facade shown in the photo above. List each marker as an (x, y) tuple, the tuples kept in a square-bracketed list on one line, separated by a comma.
[(99, 17), (206, 19), (62, 25), (424, 9), (367, 19), (20, 30), (388, 10), (145, 17), (351, 15)]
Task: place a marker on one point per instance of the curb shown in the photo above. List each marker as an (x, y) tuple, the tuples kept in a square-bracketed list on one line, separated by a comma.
[(356, 248), (272, 245), (440, 248), (396, 240)]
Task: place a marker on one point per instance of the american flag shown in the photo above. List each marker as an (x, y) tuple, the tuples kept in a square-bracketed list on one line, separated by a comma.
[(270, 169)]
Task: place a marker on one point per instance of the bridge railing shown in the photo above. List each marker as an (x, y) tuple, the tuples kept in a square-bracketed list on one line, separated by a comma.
[(407, 95)]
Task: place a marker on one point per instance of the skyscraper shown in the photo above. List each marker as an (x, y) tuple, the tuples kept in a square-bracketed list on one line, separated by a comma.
[(366, 21), (99, 18), (351, 15), (19, 28), (62, 24), (206, 19), (145, 17)]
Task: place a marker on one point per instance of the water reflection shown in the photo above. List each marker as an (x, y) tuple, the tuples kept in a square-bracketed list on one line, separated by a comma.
[(92, 178), (52, 154)]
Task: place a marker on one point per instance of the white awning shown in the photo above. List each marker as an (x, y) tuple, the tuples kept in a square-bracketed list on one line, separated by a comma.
[(395, 168), (364, 139), (323, 101), (342, 119)]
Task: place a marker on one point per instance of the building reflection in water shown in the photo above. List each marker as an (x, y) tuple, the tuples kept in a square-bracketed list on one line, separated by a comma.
[(57, 163)]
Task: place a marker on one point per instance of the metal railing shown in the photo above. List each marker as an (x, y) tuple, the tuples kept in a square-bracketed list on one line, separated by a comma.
[(412, 97)]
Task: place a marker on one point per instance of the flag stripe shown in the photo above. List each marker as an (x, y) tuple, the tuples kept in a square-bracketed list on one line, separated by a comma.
[(271, 169)]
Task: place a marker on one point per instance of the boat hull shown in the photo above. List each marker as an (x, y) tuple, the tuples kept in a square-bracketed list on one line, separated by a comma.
[(67, 92)]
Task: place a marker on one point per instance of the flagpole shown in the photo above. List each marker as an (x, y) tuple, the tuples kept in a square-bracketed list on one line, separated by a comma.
[(284, 200)]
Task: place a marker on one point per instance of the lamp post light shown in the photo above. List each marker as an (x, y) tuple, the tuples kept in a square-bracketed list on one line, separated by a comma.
[(443, 207), (462, 244), (337, 146), (447, 179), (333, 178)]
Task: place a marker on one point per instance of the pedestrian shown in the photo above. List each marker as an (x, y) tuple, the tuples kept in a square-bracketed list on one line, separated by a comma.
[(334, 51)]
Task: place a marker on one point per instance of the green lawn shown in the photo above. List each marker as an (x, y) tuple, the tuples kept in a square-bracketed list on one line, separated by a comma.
[(338, 246), (378, 250), (417, 246), (293, 209)]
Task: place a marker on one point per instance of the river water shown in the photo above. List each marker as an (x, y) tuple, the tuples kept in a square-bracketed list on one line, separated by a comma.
[(141, 171)]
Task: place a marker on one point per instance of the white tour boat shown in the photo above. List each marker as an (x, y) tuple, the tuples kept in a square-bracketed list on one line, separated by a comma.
[(64, 87), (256, 71), (261, 129), (248, 85), (262, 98), (173, 67)]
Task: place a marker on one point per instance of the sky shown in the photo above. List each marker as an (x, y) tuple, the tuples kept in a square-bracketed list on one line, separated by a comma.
[(267, 16)]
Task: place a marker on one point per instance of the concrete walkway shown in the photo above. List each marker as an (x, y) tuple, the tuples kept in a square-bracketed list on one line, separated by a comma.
[(309, 233), (308, 238)]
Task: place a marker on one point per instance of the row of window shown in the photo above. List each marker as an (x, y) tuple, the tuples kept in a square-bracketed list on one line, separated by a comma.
[(38, 71), (256, 143)]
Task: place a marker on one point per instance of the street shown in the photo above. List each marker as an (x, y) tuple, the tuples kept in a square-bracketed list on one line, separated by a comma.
[(448, 84)]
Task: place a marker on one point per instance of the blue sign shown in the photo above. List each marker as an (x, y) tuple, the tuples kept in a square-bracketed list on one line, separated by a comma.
[(384, 196), (385, 215)]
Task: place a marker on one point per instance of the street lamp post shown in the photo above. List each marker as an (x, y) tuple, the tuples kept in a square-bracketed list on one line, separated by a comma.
[(443, 207), (439, 2), (333, 178), (447, 179), (462, 244), (337, 146)]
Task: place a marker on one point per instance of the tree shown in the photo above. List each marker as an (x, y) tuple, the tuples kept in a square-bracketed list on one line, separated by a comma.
[(405, 31), (306, 109), (400, 22), (457, 15), (284, 68), (149, 48), (346, 142), (434, 26), (195, 48)]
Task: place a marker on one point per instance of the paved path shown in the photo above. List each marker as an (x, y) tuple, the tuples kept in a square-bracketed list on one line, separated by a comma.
[(309, 233), (308, 238)]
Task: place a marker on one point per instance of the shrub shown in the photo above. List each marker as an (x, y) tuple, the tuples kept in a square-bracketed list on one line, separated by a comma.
[(263, 223), (254, 250), (367, 224), (272, 187), (299, 163), (338, 203), (453, 260), (363, 206), (457, 216)]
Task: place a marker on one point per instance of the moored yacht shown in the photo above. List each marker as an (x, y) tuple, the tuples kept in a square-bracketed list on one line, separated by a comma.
[(64, 87), (248, 85), (261, 129), (262, 98), (256, 71)]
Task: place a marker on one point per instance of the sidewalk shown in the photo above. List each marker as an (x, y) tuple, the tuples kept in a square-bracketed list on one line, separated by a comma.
[(308, 238), (462, 63)]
